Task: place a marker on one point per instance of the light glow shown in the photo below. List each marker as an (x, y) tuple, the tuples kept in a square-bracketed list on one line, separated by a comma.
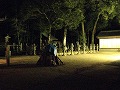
[(110, 43)]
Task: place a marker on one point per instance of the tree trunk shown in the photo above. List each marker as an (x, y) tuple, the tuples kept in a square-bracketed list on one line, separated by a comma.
[(41, 46), (19, 41), (88, 38), (18, 34), (83, 32), (94, 30), (84, 40), (18, 37), (64, 40), (49, 35)]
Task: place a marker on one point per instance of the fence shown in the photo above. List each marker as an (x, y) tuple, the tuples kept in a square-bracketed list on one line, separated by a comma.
[(78, 49), (19, 49)]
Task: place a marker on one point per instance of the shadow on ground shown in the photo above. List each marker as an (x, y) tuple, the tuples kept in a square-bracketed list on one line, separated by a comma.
[(15, 66), (18, 66), (94, 77), (115, 63)]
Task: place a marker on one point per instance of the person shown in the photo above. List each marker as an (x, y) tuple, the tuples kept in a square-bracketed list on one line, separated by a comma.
[(49, 56), (57, 45)]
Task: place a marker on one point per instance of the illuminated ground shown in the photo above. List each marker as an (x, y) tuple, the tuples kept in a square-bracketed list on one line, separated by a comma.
[(99, 71)]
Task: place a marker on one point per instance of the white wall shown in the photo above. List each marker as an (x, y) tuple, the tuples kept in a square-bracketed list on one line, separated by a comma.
[(109, 43)]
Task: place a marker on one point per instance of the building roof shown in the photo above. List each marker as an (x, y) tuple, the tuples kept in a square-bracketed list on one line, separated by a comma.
[(109, 34)]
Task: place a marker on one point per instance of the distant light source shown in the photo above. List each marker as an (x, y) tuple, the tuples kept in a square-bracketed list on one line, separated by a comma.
[(112, 56), (116, 57), (110, 43)]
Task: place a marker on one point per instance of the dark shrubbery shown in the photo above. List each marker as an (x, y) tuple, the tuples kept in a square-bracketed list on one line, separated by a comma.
[(2, 51)]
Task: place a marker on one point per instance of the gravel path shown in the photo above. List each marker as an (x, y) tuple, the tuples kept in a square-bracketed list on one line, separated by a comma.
[(99, 71)]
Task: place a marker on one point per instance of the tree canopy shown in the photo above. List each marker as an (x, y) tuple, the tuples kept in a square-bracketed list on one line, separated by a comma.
[(45, 15)]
